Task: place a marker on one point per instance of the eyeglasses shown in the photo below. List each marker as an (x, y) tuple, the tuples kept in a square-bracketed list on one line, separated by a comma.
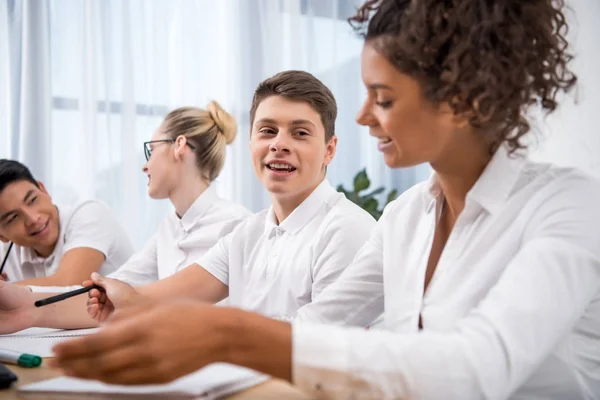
[(148, 149)]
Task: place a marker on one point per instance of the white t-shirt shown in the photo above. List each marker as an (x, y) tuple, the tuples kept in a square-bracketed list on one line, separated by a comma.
[(512, 310), (179, 242), (89, 224), (276, 269)]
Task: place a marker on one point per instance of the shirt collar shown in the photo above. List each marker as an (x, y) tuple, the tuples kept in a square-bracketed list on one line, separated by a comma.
[(433, 190), (496, 183), (322, 194), (432, 187), (198, 208), (493, 187)]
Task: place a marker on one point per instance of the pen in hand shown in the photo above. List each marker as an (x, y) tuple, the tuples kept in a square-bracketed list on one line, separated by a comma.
[(63, 296), (10, 246)]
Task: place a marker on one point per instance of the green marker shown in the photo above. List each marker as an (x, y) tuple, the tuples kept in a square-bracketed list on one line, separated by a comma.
[(20, 359)]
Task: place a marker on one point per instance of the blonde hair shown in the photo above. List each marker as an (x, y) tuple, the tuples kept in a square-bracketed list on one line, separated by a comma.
[(208, 131)]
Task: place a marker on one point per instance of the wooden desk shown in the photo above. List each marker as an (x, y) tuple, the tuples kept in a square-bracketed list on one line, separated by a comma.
[(270, 390)]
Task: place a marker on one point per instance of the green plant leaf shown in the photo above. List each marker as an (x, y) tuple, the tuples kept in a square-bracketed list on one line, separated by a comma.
[(359, 200), (367, 202), (342, 190), (374, 192), (361, 181), (391, 196), (370, 205)]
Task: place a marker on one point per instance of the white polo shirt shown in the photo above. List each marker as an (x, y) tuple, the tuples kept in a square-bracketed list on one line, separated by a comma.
[(86, 224), (179, 242), (512, 310), (277, 269)]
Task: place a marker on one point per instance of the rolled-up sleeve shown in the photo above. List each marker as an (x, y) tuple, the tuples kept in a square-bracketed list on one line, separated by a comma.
[(542, 293)]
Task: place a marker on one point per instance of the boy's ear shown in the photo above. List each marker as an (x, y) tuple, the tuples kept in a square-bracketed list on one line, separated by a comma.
[(42, 187), (330, 150)]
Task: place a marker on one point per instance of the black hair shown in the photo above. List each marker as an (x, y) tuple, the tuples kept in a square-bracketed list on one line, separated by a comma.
[(13, 171)]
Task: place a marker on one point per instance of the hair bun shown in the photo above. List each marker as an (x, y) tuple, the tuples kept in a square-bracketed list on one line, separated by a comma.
[(224, 121)]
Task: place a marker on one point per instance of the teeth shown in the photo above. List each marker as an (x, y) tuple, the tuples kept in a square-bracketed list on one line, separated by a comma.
[(385, 140), (280, 166), (41, 229)]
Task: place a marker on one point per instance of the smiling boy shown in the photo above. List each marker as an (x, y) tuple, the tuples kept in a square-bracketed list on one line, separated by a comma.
[(274, 262), (45, 245)]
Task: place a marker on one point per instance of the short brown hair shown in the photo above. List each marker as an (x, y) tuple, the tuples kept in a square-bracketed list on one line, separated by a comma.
[(299, 86), (489, 60), (208, 131)]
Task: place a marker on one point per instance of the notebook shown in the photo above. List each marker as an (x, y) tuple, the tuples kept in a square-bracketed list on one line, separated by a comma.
[(211, 382), (39, 341)]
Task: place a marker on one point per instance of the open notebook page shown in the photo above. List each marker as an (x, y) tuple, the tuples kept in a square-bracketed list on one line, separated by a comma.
[(39, 341), (213, 381)]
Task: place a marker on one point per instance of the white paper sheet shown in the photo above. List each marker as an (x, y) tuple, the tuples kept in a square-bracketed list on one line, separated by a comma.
[(213, 381), (39, 341)]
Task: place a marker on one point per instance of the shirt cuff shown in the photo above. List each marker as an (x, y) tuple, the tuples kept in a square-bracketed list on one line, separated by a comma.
[(346, 363), (320, 357)]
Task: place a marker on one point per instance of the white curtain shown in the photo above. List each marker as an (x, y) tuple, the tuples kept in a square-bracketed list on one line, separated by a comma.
[(90, 80), (25, 105), (570, 136)]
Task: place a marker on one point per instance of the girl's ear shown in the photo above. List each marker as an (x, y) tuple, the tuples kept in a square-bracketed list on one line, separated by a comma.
[(180, 146)]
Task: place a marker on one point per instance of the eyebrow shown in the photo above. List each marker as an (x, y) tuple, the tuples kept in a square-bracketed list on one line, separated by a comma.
[(28, 195), (376, 86), (293, 123), (6, 215), (9, 213)]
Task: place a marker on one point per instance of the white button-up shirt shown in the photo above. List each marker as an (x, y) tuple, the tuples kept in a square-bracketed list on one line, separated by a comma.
[(179, 242), (89, 224), (276, 269), (512, 311)]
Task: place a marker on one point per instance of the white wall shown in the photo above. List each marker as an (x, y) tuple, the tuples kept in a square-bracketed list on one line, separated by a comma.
[(571, 135)]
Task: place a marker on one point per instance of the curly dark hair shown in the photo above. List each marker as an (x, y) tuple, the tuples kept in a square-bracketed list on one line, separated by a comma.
[(489, 60)]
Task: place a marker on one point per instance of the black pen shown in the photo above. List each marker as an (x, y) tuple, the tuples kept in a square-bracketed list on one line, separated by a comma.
[(63, 296), (10, 246)]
